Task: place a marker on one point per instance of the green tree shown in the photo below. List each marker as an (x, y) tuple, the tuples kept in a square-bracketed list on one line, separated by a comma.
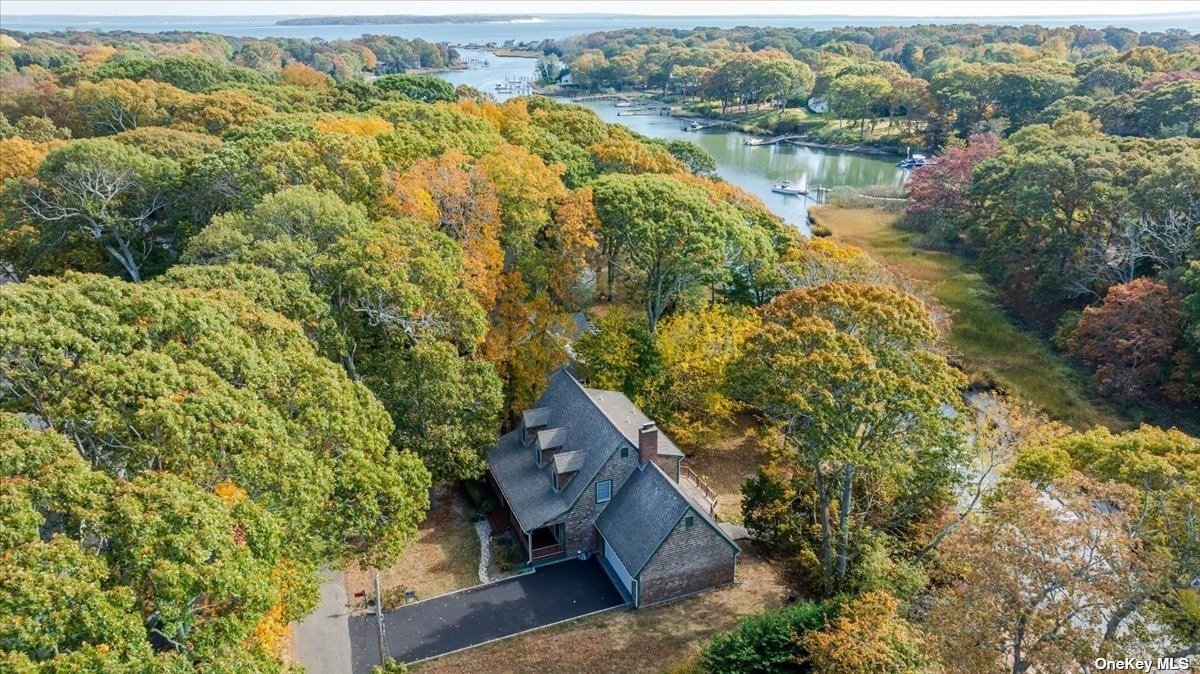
[(848, 375), (390, 286), (417, 87), (214, 463), (139, 386), (766, 643), (858, 98), (667, 236), (782, 80), (113, 194)]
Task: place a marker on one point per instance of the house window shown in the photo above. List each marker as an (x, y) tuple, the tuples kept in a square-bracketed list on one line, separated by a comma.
[(624, 451), (603, 491), (689, 521)]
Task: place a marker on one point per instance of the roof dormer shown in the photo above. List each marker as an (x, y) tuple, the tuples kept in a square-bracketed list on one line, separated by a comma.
[(548, 441), (533, 420), (566, 466)]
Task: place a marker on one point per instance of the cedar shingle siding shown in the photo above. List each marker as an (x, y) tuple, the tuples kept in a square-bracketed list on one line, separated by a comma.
[(691, 559), (580, 520)]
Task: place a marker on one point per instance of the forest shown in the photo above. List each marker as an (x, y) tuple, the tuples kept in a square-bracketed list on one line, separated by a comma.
[(917, 85), (259, 296)]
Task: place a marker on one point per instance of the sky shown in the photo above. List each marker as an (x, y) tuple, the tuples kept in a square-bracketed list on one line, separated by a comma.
[(930, 8)]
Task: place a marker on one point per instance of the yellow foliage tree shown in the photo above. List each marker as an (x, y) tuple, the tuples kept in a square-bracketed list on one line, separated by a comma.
[(214, 113), (455, 194), (300, 75), (696, 349), (357, 126), (632, 156), (867, 637), (527, 341), (20, 157)]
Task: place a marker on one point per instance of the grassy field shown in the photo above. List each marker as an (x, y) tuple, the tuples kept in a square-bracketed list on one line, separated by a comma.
[(992, 347)]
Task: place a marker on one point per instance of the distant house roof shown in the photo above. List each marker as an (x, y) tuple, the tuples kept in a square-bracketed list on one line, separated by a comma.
[(643, 514), (580, 426), (569, 462)]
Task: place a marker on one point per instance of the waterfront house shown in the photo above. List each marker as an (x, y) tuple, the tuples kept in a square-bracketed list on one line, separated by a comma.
[(587, 473)]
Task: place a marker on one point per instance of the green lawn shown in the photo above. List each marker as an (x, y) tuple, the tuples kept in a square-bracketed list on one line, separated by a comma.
[(991, 346)]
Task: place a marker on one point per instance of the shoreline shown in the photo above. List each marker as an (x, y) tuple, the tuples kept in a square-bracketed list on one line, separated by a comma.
[(868, 148)]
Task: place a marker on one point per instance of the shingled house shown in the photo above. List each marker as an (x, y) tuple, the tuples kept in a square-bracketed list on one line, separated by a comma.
[(587, 472)]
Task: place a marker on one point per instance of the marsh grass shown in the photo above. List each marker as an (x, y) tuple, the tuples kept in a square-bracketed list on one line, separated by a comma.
[(994, 349)]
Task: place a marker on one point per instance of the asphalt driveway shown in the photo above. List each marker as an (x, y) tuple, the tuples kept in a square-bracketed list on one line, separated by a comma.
[(471, 617)]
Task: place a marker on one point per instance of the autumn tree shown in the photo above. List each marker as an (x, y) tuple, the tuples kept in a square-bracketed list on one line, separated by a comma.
[(867, 636), (1040, 571), (118, 105), (455, 194), (848, 375), (1129, 339), (1162, 466)]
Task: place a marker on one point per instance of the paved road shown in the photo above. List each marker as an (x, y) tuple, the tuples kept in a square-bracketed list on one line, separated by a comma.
[(322, 642), (470, 617)]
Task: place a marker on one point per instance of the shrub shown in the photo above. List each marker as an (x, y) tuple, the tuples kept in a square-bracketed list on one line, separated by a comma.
[(764, 643)]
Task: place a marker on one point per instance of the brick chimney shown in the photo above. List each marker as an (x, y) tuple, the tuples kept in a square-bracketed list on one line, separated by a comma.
[(648, 442)]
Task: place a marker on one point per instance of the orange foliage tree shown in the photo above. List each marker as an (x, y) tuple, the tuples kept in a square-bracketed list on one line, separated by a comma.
[(456, 195), (1130, 338)]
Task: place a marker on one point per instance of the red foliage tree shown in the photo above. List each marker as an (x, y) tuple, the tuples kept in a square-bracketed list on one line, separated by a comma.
[(1130, 338), (942, 187)]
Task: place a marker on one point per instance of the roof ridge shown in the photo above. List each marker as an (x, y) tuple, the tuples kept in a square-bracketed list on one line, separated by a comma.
[(600, 409)]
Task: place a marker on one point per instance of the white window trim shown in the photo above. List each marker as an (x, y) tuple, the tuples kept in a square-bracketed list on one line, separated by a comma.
[(603, 500)]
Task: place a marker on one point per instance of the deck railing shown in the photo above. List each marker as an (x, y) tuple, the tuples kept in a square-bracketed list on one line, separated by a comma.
[(707, 492), (546, 551)]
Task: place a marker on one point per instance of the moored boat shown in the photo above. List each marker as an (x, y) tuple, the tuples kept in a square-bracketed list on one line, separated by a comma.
[(914, 161), (788, 187)]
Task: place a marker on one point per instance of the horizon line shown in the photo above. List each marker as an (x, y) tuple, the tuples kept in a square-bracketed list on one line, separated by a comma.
[(614, 14)]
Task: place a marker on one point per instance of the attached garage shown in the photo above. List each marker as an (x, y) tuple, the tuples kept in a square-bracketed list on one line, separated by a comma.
[(659, 544), (618, 568)]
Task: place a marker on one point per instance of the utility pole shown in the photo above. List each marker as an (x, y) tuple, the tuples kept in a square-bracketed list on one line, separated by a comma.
[(383, 652)]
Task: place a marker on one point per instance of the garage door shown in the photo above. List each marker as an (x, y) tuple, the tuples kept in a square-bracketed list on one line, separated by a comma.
[(619, 568)]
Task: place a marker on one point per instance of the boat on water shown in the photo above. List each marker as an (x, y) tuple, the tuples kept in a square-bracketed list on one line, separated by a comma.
[(789, 187), (915, 160), (694, 126)]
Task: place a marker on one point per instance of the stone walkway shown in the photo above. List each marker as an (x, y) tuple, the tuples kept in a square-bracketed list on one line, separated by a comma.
[(484, 531)]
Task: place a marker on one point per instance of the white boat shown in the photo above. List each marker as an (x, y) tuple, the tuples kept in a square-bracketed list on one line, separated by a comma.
[(788, 187), (914, 161)]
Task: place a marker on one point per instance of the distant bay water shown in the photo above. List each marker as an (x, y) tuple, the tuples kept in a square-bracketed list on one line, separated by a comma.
[(548, 27)]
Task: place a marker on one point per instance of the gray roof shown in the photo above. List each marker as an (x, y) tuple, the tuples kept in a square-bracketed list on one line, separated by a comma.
[(643, 513), (536, 417), (626, 416), (552, 438), (528, 488), (569, 462)]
